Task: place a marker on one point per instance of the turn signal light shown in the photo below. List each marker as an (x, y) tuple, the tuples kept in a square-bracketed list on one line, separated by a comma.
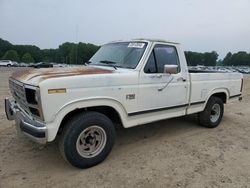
[(59, 90)]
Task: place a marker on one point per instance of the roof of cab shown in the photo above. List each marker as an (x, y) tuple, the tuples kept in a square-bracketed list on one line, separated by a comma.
[(146, 40), (155, 40)]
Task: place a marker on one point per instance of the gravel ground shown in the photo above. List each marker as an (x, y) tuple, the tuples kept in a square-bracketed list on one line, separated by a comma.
[(170, 153)]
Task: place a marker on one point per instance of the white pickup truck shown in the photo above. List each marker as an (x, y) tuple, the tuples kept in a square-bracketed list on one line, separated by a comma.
[(126, 82)]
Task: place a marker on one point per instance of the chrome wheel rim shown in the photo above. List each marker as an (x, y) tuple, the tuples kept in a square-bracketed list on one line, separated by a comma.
[(91, 141), (215, 113)]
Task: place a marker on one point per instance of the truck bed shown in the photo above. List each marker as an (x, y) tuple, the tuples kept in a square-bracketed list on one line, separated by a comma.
[(204, 84)]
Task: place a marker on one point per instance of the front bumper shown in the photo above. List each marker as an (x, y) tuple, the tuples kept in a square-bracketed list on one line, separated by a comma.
[(25, 124)]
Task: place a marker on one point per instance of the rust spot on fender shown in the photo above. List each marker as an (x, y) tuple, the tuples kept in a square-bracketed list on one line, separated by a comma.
[(78, 71), (20, 74)]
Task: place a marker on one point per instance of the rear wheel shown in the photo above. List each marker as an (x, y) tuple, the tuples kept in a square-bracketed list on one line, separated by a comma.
[(212, 114), (87, 139), (8, 65)]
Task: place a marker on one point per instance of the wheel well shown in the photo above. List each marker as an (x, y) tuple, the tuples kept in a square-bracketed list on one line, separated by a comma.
[(221, 95), (110, 112)]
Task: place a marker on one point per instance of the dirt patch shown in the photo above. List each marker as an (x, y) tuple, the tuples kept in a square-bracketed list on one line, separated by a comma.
[(172, 153)]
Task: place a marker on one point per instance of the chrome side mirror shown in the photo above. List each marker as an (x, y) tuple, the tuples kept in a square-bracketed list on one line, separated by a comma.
[(171, 69)]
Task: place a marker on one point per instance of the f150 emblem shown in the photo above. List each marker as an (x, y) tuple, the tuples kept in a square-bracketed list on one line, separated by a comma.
[(130, 96)]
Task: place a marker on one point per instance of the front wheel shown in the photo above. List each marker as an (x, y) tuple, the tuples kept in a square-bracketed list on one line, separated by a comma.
[(212, 114), (87, 139)]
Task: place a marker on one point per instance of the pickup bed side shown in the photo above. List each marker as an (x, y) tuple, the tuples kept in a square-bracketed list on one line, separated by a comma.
[(227, 86)]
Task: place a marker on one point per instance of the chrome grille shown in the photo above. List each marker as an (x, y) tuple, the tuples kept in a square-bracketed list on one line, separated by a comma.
[(18, 92)]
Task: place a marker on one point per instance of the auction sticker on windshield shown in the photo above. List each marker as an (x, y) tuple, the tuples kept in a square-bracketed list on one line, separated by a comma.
[(136, 45)]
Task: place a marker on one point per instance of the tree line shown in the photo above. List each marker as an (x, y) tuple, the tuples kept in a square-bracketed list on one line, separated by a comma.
[(211, 59), (79, 53), (207, 58), (68, 53), (237, 59)]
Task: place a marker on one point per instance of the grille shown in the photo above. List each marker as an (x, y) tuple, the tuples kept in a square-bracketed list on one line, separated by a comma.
[(18, 92)]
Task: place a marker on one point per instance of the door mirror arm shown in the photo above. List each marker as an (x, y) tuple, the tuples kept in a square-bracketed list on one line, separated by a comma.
[(165, 86)]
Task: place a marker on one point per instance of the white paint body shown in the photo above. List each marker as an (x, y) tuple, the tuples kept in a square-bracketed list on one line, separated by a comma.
[(92, 90)]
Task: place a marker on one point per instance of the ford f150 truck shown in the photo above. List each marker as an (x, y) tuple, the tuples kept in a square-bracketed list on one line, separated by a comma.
[(126, 82)]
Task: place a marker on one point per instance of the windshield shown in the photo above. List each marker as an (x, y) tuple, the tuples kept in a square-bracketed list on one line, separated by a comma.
[(120, 54)]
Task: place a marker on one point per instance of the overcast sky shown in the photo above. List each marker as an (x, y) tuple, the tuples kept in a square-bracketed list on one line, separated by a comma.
[(220, 25)]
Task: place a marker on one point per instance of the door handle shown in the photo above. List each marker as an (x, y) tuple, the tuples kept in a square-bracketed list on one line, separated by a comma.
[(182, 79)]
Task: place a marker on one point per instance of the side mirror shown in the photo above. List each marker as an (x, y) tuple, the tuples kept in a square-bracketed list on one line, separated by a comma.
[(171, 69)]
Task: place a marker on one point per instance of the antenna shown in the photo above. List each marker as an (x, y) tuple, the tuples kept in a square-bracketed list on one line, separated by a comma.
[(76, 39), (76, 46)]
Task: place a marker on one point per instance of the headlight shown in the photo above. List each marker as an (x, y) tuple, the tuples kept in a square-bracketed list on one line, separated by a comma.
[(36, 98), (33, 100), (31, 96)]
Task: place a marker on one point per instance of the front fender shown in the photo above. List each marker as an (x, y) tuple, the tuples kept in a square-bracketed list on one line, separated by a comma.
[(53, 126)]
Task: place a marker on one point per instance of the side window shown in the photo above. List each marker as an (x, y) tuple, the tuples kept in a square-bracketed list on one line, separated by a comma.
[(165, 55), (151, 65), (160, 56)]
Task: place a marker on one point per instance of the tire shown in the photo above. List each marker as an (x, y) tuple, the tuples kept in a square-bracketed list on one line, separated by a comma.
[(80, 135), (212, 114), (8, 65)]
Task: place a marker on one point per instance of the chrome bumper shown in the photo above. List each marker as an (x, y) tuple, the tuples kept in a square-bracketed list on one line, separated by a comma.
[(31, 128)]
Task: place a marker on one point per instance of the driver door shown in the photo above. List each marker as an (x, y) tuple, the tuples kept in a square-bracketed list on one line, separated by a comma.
[(158, 90)]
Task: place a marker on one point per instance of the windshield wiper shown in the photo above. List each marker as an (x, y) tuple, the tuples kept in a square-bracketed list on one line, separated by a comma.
[(109, 63), (86, 63)]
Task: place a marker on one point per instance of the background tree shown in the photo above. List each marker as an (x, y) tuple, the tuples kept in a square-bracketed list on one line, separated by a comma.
[(227, 59), (27, 58), (210, 59), (237, 59), (51, 55), (34, 51), (4, 47), (86, 51), (11, 55), (240, 58), (67, 52), (193, 58), (219, 62), (73, 55), (206, 59), (65, 49)]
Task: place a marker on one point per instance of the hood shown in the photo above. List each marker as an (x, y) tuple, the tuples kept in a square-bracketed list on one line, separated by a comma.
[(37, 75)]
